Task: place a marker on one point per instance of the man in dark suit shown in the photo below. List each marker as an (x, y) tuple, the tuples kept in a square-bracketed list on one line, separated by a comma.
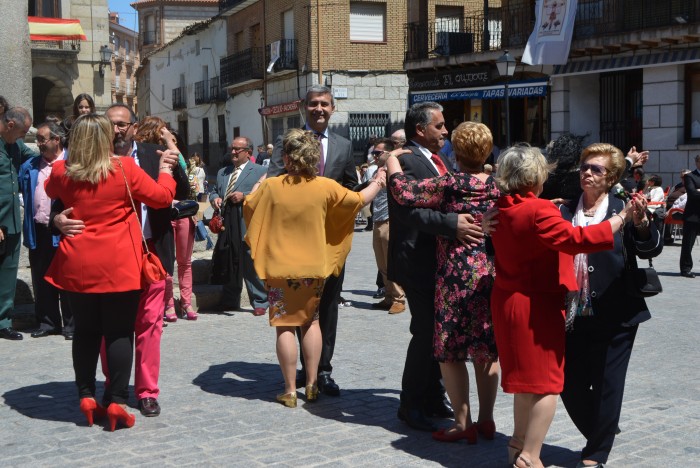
[(691, 219), (158, 230), (412, 264), (336, 163), (233, 183)]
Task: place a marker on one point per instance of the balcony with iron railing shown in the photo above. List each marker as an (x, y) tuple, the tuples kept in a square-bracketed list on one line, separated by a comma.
[(241, 67), (180, 98), (207, 91), (59, 49), (596, 21), (129, 59), (288, 55), (147, 38), (117, 57)]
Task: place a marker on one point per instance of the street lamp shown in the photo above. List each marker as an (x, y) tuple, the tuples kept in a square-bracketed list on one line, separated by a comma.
[(105, 59), (506, 68)]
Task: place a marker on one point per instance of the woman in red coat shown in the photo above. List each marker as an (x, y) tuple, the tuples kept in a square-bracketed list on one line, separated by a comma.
[(534, 271), (100, 269)]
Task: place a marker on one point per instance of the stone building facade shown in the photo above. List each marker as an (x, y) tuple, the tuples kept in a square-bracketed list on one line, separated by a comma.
[(125, 61)]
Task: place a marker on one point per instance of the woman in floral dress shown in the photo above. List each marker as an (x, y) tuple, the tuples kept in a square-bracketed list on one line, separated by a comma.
[(463, 329)]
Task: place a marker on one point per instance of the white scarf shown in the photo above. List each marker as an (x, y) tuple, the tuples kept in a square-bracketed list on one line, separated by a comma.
[(578, 302)]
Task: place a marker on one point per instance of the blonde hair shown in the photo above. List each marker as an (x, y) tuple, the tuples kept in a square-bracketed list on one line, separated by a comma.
[(90, 149), (303, 152), (522, 168), (472, 143), (617, 160)]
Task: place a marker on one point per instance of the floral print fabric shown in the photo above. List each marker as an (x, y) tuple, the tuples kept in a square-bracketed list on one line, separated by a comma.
[(294, 302), (464, 278)]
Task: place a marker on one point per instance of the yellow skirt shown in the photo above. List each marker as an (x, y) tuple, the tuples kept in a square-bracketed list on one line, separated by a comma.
[(294, 302)]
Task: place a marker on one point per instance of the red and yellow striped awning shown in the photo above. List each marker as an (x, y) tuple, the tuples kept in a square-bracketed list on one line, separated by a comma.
[(55, 29)]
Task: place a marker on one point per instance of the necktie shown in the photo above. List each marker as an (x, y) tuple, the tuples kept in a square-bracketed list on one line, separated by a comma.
[(442, 170), (321, 162), (232, 182)]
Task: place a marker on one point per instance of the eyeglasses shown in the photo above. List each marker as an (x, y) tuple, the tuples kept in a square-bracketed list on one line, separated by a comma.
[(378, 153), (122, 125), (238, 150), (596, 169)]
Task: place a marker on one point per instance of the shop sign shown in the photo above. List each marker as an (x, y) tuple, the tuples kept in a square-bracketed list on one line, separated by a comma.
[(449, 79), (280, 108), (515, 90)]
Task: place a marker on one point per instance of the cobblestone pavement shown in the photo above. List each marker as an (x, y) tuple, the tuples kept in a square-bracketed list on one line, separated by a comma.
[(219, 377)]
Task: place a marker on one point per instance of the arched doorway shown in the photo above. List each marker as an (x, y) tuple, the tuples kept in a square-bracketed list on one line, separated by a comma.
[(49, 97)]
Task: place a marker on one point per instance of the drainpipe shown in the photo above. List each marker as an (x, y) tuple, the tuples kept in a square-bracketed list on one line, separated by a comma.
[(318, 40)]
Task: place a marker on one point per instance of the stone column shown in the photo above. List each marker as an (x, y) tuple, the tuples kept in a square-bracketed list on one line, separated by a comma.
[(16, 57)]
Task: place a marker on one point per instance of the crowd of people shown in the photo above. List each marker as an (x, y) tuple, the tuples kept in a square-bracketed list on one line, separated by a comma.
[(448, 236)]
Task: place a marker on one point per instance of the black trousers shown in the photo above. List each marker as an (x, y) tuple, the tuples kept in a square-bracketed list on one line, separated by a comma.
[(108, 315), (690, 233), (420, 385), (47, 297), (597, 357), (327, 321)]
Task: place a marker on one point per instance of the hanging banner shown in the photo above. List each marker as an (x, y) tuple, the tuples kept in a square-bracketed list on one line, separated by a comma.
[(516, 89), (550, 41), (55, 29)]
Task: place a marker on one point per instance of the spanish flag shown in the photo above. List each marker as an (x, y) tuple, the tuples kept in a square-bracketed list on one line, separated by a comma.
[(55, 29)]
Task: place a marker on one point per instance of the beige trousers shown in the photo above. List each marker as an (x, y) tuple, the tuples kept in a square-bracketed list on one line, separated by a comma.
[(380, 243)]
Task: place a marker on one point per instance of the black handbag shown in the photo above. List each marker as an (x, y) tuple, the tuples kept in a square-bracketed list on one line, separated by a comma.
[(184, 209), (640, 282)]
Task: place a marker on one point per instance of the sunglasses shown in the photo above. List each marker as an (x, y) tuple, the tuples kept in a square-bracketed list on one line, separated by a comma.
[(378, 153), (596, 169)]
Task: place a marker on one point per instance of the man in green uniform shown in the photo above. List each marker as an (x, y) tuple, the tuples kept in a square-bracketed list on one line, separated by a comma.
[(14, 125)]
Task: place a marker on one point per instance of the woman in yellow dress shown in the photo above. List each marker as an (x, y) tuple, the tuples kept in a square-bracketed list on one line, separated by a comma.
[(299, 228)]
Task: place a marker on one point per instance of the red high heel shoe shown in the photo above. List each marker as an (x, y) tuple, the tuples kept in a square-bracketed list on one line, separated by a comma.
[(445, 435), (486, 429), (92, 410), (116, 413)]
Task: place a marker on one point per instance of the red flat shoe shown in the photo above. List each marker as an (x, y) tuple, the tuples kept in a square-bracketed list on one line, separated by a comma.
[(445, 435), (116, 414), (91, 409), (486, 429)]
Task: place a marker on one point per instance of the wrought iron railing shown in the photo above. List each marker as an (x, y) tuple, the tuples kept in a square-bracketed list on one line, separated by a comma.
[(72, 46), (288, 55), (504, 28), (602, 17), (216, 91), (180, 97), (148, 38), (499, 29), (242, 66)]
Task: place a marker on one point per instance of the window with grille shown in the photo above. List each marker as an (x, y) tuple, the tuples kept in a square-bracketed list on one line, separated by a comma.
[(365, 124)]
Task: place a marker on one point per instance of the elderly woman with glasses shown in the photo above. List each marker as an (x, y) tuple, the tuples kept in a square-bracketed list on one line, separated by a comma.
[(534, 272), (599, 347)]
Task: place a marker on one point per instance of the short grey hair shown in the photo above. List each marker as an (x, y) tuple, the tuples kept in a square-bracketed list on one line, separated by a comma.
[(320, 89), (248, 143), (522, 167), (18, 115), (419, 113)]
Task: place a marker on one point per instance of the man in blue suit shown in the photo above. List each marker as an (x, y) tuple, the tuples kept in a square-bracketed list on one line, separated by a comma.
[(231, 261), (37, 234)]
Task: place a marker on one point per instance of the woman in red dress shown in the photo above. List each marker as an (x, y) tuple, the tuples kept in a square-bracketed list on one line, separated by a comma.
[(100, 268), (534, 271)]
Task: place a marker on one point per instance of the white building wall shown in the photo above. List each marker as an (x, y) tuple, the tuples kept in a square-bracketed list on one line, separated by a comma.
[(181, 58), (242, 112)]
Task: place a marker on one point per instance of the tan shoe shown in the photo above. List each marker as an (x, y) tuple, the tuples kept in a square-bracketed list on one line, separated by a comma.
[(397, 308)]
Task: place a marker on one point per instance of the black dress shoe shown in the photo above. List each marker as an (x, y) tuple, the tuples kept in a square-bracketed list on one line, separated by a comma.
[(415, 419), (381, 292), (149, 407), (327, 385), (42, 332), (440, 409), (10, 334), (301, 378), (68, 336), (688, 274)]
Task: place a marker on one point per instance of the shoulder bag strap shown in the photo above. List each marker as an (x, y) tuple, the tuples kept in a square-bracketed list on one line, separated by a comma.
[(133, 205)]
